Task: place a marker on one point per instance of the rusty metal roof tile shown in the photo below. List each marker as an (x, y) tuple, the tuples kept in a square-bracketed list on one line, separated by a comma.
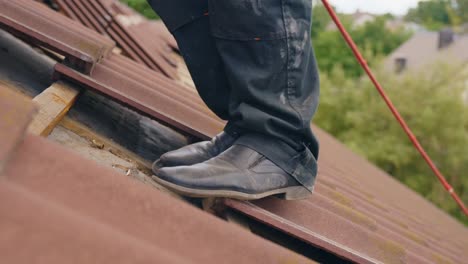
[(16, 112), (162, 99), (90, 16), (362, 214), (33, 227), (358, 212), (64, 208), (148, 77), (149, 47), (33, 21), (126, 27)]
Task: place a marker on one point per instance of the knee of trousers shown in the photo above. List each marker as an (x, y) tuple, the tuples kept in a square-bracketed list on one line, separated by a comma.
[(176, 13)]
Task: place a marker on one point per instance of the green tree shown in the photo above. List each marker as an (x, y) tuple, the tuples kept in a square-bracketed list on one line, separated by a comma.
[(437, 14), (353, 111), (374, 39), (320, 19), (142, 7), (433, 14), (461, 7)]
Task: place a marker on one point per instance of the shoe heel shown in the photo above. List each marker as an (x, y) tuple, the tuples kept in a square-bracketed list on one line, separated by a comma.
[(295, 193)]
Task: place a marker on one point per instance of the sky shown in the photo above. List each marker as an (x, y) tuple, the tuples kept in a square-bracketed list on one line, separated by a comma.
[(397, 7)]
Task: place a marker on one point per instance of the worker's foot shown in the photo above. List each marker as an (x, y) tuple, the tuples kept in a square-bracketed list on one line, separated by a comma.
[(239, 172), (195, 153)]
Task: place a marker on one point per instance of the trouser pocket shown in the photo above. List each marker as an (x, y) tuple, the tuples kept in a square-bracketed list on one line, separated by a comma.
[(247, 19)]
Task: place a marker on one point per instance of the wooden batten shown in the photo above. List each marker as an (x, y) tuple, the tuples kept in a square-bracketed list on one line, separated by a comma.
[(53, 103)]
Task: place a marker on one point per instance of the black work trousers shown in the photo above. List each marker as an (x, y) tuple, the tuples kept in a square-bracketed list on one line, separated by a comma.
[(253, 65)]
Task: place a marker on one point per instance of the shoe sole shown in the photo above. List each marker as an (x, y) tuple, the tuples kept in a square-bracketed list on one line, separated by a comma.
[(288, 193)]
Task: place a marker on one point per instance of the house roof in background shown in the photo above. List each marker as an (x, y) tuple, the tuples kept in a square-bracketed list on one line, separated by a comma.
[(358, 212), (422, 50)]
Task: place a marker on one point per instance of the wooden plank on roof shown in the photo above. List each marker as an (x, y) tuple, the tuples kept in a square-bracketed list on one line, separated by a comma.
[(54, 103)]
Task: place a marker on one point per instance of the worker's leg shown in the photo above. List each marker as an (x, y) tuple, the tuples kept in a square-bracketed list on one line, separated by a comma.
[(188, 21), (266, 50)]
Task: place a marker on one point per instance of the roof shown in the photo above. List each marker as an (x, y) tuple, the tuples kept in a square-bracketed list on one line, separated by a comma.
[(361, 18), (357, 213), (422, 50), (363, 214), (83, 48), (15, 115), (130, 30), (62, 208), (357, 19)]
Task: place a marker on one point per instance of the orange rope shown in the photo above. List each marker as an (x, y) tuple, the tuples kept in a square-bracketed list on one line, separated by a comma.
[(392, 107)]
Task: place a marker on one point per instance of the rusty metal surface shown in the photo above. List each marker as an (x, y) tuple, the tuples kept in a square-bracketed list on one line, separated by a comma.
[(362, 214), (103, 14), (146, 42), (149, 48), (358, 212), (16, 112), (144, 34), (57, 235), (148, 92), (62, 208), (38, 24)]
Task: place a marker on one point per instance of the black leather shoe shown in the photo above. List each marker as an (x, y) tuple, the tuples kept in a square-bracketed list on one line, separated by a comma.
[(195, 153), (239, 172)]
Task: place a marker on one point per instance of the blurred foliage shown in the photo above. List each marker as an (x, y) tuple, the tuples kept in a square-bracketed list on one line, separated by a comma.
[(352, 110), (374, 39), (438, 14), (462, 10), (141, 6)]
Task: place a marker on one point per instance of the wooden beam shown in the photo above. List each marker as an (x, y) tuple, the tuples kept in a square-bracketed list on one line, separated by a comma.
[(54, 103)]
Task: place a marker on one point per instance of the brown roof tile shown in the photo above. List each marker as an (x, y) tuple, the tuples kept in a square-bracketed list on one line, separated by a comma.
[(35, 229), (361, 213), (39, 24), (358, 212), (132, 32), (62, 208), (150, 93), (16, 111)]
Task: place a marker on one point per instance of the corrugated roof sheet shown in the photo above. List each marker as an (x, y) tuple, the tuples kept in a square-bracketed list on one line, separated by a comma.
[(132, 32), (148, 92), (41, 25), (362, 214), (58, 207), (358, 212)]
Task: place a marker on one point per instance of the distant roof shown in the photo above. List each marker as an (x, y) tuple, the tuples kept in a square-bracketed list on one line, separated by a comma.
[(422, 49), (358, 14)]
